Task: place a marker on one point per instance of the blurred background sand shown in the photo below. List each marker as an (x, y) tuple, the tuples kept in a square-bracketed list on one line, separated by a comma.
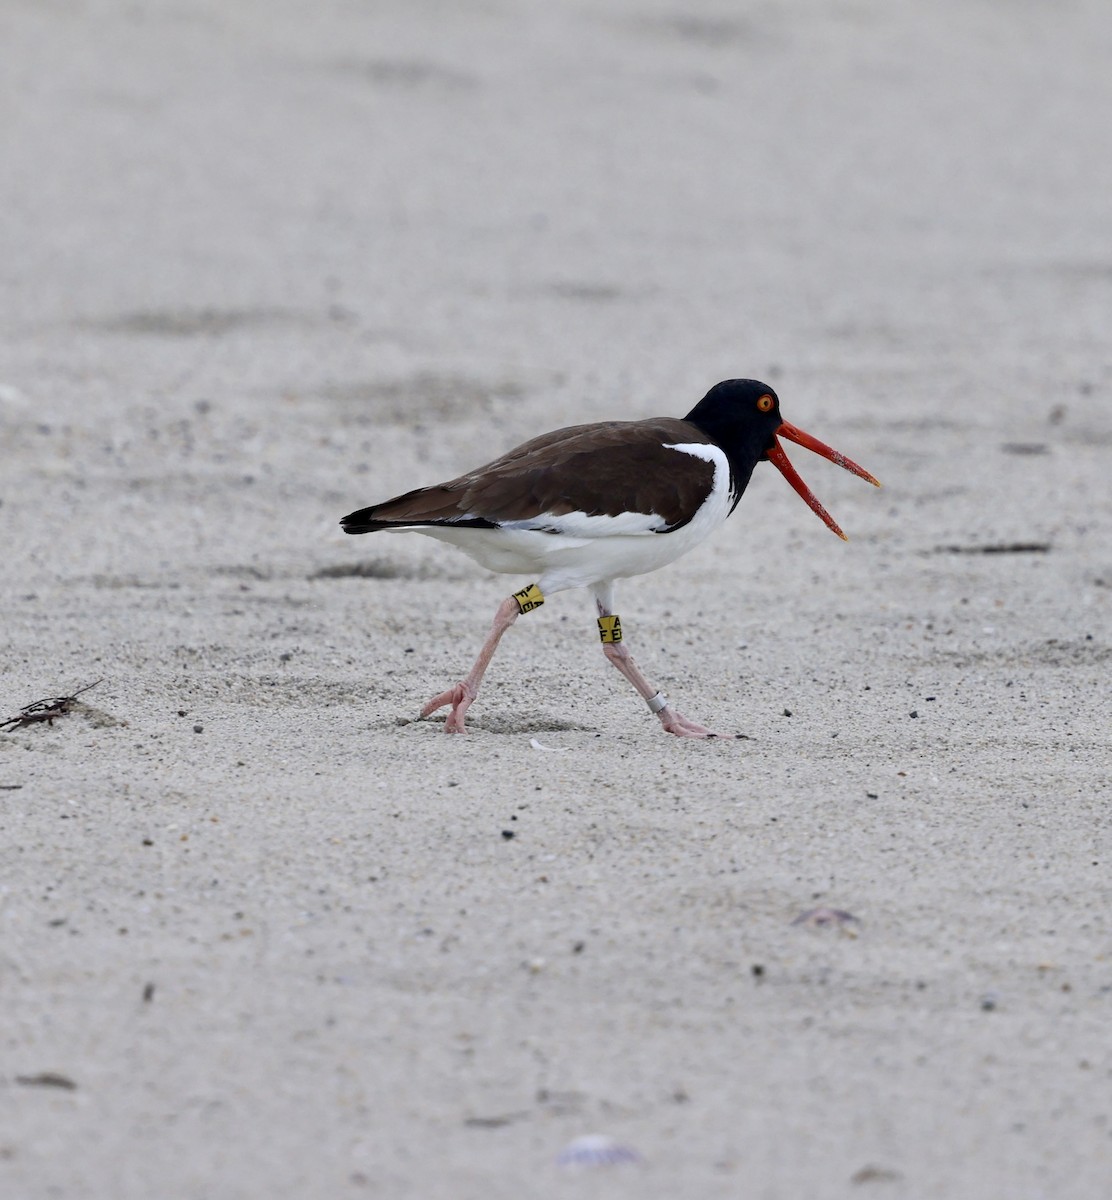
[(263, 263)]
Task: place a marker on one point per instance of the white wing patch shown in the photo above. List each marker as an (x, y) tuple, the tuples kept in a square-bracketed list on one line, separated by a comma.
[(587, 525)]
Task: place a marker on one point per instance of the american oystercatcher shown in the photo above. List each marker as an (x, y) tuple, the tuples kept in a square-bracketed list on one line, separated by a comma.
[(590, 504)]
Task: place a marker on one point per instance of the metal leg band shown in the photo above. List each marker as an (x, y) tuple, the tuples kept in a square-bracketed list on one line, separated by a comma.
[(657, 702)]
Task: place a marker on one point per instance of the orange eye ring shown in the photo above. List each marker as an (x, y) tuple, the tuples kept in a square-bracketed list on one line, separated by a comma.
[(766, 403)]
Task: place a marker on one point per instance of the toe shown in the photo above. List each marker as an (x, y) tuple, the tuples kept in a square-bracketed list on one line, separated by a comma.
[(677, 724)]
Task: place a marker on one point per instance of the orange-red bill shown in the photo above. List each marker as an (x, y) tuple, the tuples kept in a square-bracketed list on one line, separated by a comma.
[(780, 460)]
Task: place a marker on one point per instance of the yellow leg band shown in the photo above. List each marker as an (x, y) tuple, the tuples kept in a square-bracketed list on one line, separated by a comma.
[(529, 598), (610, 628)]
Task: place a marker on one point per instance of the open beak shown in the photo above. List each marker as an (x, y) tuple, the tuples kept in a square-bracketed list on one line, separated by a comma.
[(779, 459)]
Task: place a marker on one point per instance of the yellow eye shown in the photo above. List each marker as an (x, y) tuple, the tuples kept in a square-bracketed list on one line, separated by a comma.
[(765, 403)]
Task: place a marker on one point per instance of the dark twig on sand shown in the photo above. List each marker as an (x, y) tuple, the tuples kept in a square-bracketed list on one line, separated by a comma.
[(997, 548), (46, 710)]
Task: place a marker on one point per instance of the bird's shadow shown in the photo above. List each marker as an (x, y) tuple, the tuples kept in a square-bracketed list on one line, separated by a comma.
[(503, 724)]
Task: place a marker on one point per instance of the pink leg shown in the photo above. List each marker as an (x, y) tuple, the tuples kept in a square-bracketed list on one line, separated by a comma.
[(673, 722), (463, 694)]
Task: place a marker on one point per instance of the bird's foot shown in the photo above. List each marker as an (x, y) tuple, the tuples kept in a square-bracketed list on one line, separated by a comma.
[(679, 725), (460, 697)]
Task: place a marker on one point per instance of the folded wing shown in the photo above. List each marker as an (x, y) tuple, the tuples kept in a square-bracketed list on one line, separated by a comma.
[(554, 483)]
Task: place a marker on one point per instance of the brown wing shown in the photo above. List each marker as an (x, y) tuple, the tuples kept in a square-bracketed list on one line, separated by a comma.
[(603, 469)]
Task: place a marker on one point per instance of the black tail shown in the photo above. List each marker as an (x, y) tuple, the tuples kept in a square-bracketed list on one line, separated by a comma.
[(363, 521)]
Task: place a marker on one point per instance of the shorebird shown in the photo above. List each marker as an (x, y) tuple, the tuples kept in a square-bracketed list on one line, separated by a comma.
[(590, 504)]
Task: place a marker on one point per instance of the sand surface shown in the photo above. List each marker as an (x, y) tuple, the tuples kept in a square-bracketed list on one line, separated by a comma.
[(264, 263)]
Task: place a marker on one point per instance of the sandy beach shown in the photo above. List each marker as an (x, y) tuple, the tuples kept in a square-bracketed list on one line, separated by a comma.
[(264, 935)]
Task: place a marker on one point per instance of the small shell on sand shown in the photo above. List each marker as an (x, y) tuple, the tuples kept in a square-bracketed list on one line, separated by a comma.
[(596, 1150), (535, 745)]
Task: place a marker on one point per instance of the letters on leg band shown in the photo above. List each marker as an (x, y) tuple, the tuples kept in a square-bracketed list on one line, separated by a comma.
[(529, 598), (610, 628)]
